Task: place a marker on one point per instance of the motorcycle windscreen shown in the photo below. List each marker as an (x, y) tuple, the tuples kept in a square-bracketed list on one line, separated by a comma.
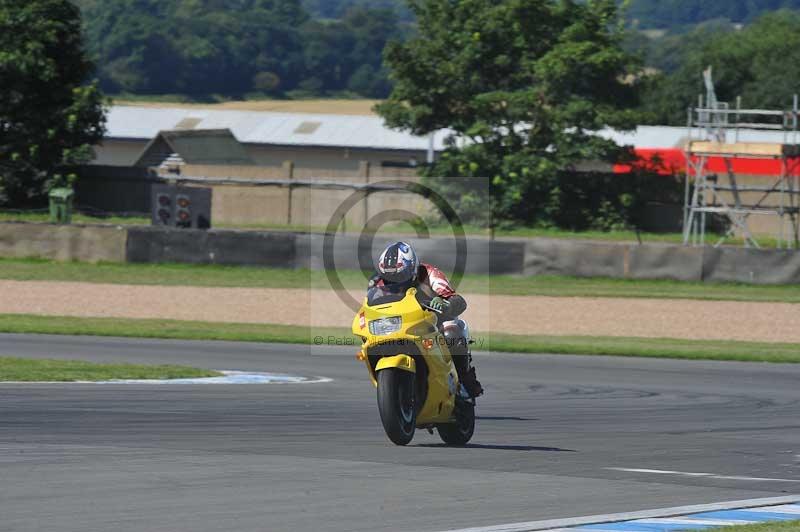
[(383, 295)]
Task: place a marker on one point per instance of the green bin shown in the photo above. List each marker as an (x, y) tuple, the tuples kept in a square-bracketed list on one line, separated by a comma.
[(61, 205)]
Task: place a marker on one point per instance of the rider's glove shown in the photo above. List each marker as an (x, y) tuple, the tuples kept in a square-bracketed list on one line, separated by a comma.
[(373, 281), (439, 304)]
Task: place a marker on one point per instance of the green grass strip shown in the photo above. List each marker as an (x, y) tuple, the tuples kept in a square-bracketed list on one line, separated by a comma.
[(647, 347), (30, 370), (167, 329), (238, 276), (44, 217), (579, 345)]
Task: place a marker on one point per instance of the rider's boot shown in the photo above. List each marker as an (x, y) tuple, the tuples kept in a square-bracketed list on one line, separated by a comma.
[(471, 383), (466, 374)]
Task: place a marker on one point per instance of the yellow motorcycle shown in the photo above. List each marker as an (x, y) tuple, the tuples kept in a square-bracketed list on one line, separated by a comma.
[(410, 364)]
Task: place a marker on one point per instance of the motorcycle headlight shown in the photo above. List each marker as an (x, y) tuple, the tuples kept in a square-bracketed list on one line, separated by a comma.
[(385, 326)]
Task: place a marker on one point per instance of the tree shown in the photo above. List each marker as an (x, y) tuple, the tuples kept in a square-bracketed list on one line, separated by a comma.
[(226, 44), (667, 52), (196, 47), (672, 13), (132, 43), (205, 48), (48, 116), (331, 9), (760, 63), (346, 54), (524, 83)]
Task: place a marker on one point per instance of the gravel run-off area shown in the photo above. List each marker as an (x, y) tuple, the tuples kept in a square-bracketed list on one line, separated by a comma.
[(581, 316)]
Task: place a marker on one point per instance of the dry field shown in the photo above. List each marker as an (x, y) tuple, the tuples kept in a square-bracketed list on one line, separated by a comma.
[(331, 107), (536, 315)]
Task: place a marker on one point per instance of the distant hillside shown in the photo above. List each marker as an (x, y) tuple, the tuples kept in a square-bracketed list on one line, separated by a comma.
[(647, 13), (674, 13), (333, 9), (210, 50), (205, 49)]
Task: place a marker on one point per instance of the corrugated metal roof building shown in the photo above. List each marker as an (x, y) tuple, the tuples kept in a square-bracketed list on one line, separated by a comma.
[(324, 142), (204, 146), (262, 144), (318, 141)]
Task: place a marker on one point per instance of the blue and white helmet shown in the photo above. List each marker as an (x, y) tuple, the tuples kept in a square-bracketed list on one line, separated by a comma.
[(398, 263)]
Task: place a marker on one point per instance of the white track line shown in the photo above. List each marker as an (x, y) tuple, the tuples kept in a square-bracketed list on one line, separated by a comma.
[(659, 472), (230, 377), (704, 475), (783, 509), (551, 524), (689, 521)]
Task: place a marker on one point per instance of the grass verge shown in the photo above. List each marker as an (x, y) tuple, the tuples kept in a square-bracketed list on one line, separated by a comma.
[(647, 347), (237, 276), (167, 329), (785, 526), (29, 370), (577, 345), (41, 217)]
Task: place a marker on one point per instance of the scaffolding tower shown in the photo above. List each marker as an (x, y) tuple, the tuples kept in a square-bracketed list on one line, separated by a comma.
[(715, 130)]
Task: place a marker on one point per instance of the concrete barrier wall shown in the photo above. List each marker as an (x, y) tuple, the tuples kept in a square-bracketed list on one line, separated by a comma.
[(352, 253), (531, 257), (65, 243), (677, 263), (751, 266), (246, 248), (580, 259), (661, 261)]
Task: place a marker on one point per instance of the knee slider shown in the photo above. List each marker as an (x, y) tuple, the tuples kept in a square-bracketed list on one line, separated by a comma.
[(456, 339)]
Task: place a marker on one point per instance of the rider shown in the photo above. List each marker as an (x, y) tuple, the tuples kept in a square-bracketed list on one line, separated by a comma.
[(398, 264)]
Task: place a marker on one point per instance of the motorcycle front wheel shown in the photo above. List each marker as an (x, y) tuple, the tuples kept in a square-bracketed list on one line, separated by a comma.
[(396, 404)]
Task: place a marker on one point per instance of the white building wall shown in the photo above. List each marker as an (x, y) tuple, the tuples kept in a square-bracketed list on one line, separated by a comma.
[(335, 161)]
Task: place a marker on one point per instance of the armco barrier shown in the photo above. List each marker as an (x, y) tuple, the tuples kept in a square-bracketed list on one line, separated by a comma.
[(538, 256)]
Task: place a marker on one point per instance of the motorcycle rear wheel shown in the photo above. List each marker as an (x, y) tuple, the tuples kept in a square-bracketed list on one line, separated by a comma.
[(396, 404), (460, 432)]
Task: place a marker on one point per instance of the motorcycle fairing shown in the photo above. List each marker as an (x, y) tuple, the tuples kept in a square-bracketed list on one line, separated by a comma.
[(418, 327)]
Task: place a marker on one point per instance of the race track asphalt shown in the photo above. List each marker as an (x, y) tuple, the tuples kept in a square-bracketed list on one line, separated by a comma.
[(313, 457)]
